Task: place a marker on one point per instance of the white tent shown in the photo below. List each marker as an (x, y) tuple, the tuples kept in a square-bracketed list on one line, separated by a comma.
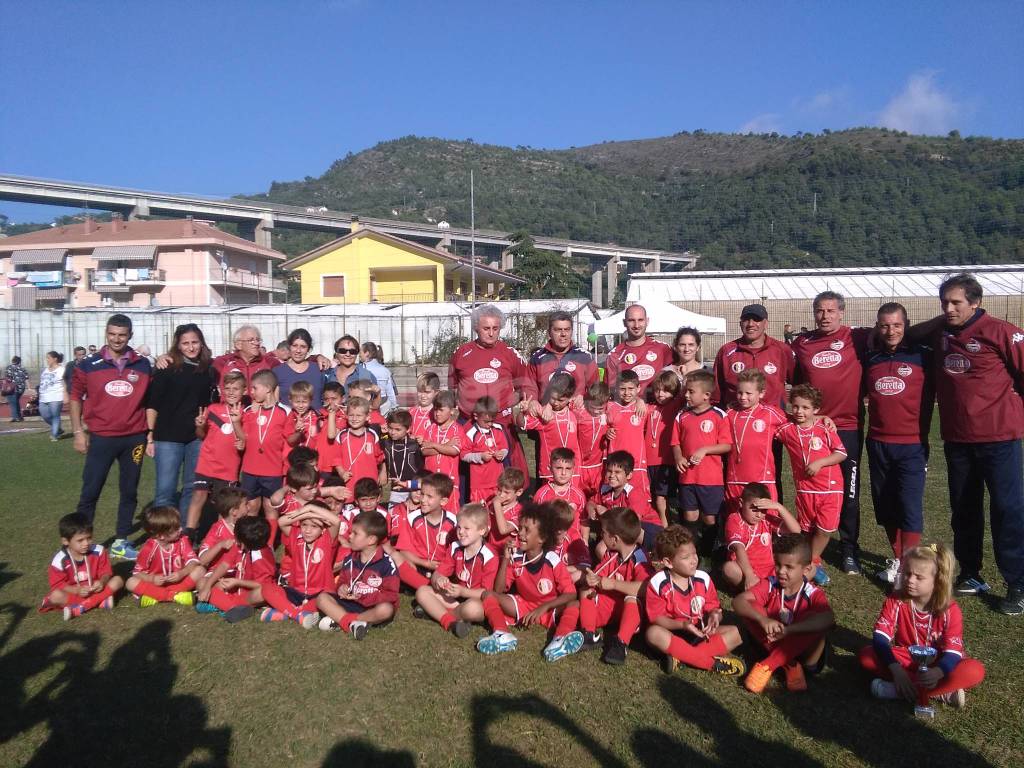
[(663, 317)]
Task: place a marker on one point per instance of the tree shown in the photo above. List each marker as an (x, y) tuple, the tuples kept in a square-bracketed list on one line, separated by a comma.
[(548, 275)]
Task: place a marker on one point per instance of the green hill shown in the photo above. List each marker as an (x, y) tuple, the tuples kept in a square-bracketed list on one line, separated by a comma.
[(862, 196)]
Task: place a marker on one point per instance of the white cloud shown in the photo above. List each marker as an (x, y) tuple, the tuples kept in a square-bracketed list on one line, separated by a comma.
[(824, 101), (769, 122), (921, 107)]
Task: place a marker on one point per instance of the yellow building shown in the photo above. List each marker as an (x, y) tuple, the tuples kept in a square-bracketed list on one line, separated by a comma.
[(368, 266)]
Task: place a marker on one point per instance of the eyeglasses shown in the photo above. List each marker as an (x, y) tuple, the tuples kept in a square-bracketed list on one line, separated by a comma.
[(251, 341), (345, 351)]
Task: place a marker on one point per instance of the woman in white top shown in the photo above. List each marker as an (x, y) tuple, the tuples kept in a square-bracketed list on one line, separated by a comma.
[(686, 353), (52, 394), (371, 357)]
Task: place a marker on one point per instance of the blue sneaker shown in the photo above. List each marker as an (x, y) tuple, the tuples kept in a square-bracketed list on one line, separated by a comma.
[(498, 642), (207, 608), (821, 577), (970, 584), (123, 549), (560, 647)]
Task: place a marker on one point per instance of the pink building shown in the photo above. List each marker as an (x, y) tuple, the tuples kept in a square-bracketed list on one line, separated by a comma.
[(181, 262)]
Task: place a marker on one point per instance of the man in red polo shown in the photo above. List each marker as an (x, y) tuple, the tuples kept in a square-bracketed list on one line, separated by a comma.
[(246, 358), (638, 353)]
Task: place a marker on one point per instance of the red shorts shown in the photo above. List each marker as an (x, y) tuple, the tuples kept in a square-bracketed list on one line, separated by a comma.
[(818, 510), (609, 609), (523, 607), (590, 480)]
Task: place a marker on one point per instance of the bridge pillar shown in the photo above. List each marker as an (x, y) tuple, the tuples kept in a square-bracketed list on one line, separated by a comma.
[(507, 261), (141, 208), (613, 279), (654, 265), (596, 278), (257, 231)]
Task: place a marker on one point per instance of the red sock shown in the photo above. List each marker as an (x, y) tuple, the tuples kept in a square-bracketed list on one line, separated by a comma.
[(630, 621), (567, 621), (275, 597), (411, 577), (909, 540), (345, 622), (149, 589), (788, 649), (701, 656), (91, 602), (225, 602), (185, 585), (447, 620), (495, 614), (892, 533), (588, 615)]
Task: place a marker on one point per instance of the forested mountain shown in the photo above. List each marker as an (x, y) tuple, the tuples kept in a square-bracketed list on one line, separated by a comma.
[(862, 196)]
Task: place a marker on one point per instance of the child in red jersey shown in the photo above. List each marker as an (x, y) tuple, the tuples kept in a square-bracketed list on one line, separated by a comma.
[(573, 550), (591, 426), (264, 424), (561, 486), (219, 426), (231, 504), (619, 491), (334, 421), (484, 447), (610, 590), (466, 571), (399, 512), (80, 575), (370, 392), (788, 616), (681, 604), (442, 444), (661, 464), (752, 425), (627, 426), (167, 568), (366, 593), (310, 537), (299, 489), (921, 611), (556, 424), (532, 586), (304, 423), (504, 508), (425, 535), (232, 588), (749, 534), (403, 459), (427, 386), (359, 453), (367, 499), (815, 454), (700, 437)]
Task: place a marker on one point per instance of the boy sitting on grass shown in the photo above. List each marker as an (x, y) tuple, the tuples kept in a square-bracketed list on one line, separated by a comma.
[(80, 575), (167, 568), (232, 588)]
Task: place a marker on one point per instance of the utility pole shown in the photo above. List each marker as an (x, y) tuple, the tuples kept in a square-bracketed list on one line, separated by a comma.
[(472, 241), (815, 211)]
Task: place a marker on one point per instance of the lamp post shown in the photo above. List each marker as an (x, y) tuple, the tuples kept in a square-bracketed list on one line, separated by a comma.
[(224, 275)]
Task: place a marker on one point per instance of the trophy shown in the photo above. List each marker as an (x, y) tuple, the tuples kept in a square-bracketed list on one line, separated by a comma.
[(923, 655)]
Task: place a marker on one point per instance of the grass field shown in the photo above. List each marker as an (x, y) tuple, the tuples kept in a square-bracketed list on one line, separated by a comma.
[(166, 687)]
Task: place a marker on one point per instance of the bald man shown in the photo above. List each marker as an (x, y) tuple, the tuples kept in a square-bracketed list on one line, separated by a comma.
[(638, 353)]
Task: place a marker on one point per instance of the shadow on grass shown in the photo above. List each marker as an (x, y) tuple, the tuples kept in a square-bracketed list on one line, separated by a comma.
[(123, 714), (356, 753), (7, 575)]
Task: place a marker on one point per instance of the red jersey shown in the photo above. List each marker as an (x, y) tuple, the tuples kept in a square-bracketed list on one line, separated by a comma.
[(251, 565), (789, 609), (900, 394), (646, 360), (477, 371), (574, 552), (831, 363), (114, 392), (157, 559), (539, 580), (904, 626), (359, 454), (635, 567), (494, 539), (631, 497), (370, 583), (311, 564), (446, 465), (572, 495), (694, 430), (219, 531), (421, 419), (750, 433), (756, 539), (65, 571), (774, 359), (396, 515), (630, 433), (233, 362), (661, 597), (590, 431), (979, 381), (328, 454), (546, 362), (310, 424), (483, 476), (660, 423), (476, 572), (218, 456), (264, 440), (560, 432), (424, 538), (807, 444)]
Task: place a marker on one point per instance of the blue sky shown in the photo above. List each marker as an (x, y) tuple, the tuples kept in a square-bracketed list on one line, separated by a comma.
[(217, 98)]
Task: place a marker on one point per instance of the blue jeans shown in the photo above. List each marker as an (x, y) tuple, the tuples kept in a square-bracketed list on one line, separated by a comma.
[(174, 461), (50, 413), (14, 403), (973, 467), (127, 451)]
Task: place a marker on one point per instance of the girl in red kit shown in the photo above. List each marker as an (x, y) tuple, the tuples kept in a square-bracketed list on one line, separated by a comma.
[(167, 568)]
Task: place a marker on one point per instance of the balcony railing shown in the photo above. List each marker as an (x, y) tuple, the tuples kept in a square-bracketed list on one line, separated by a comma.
[(125, 279), (242, 278)]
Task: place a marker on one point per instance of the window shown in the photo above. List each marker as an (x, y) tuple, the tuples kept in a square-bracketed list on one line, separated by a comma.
[(332, 286)]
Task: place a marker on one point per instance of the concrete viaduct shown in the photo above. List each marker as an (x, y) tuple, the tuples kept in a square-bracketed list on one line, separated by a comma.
[(256, 221)]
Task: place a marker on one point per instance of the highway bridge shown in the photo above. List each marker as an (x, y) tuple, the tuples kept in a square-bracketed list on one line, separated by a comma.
[(256, 220)]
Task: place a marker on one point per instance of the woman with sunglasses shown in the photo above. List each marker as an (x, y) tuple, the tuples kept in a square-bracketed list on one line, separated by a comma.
[(348, 368)]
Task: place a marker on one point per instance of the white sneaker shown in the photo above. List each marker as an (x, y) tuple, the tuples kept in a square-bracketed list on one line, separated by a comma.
[(891, 573), (327, 624), (956, 699), (358, 629), (883, 689)]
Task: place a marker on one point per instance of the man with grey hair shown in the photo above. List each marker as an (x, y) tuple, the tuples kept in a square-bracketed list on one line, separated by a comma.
[(247, 358), (488, 367), (829, 359)]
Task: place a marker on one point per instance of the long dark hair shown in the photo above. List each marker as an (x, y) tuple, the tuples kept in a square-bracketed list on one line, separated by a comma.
[(178, 359)]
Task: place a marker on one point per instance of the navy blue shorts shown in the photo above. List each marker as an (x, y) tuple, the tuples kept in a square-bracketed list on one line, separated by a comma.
[(349, 606), (295, 597), (650, 531), (706, 499), (664, 478), (210, 484), (261, 486)]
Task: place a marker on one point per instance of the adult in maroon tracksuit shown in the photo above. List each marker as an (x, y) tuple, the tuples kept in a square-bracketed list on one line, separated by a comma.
[(979, 381), (112, 383), (645, 357), (829, 359), (559, 354)]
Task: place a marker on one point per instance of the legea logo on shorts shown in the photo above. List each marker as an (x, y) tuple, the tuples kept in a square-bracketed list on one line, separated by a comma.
[(826, 359), (644, 372), (486, 375), (956, 364), (118, 388), (890, 385)]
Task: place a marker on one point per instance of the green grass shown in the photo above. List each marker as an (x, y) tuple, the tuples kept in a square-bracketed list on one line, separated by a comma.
[(165, 686)]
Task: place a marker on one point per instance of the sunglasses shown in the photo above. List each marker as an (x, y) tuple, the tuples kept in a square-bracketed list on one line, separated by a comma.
[(345, 351)]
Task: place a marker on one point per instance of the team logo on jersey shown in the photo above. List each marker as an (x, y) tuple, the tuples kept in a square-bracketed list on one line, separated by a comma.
[(651, 356), (226, 429), (837, 345), (118, 388), (261, 420), (973, 346), (464, 575), (485, 375), (1017, 338), (771, 369), (374, 580), (634, 420), (956, 364), (570, 366), (368, 448), (495, 362), (696, 605), (738, 366), (766, 538), (177, 563), (904, 370), (318, 555), (629, 359), (132, 376), (442, 537), (544, 586), (618, 577), (759, 425), (890, 385), (826, 359), (644, 372), (816, 443), (707, 426), (343, 528)]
